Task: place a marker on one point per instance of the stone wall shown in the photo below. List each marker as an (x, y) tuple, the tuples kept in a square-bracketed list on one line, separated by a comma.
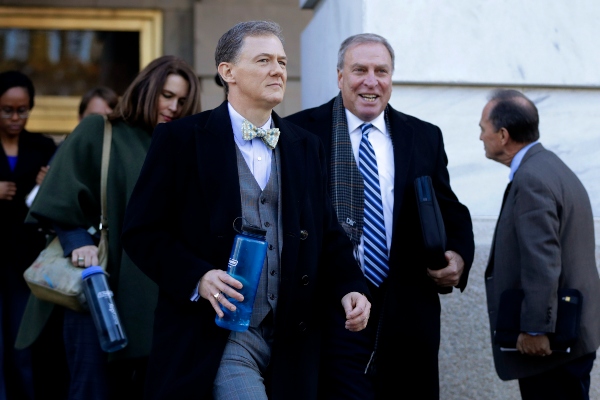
[(447, 63)]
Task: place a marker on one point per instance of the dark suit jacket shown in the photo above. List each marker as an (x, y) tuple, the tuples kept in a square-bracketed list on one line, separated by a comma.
[(19, 243), (179, 225), (410, 331), (544, 240)]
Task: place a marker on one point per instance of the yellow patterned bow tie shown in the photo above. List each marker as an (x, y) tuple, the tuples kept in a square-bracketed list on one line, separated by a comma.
[(268, 136)]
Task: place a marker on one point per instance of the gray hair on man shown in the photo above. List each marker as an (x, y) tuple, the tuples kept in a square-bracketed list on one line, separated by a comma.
[(230, 44), (362, 38)]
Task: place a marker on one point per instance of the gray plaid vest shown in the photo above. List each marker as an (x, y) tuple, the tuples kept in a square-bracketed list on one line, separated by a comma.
[(263, 208)]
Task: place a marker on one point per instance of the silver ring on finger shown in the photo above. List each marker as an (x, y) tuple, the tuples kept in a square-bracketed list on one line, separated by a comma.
[(216, 296)]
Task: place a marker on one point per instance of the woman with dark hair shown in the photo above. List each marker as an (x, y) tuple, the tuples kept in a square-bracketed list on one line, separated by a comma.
[(99, 100), (23, 158), (69, 203)]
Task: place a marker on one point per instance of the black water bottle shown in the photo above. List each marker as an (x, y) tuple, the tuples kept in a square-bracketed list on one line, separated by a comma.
[(103, 309)]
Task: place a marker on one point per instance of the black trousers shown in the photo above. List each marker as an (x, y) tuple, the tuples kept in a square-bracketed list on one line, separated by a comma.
[(68, 363), (15, 365), (409, 368), (570, 381), (346, 355)]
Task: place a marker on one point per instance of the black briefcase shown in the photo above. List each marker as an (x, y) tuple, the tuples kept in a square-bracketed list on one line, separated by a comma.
[(568, 319), (432, 224)]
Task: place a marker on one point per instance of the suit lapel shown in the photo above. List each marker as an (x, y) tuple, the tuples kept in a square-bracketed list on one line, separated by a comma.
[(321, 124), (217, 168), (530, 153), (292, 151), (293, 162), (403, 142)]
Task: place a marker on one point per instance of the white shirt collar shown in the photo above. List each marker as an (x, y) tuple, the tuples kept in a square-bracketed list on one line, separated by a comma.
[(354, 122), (516, 161), (236, 123)]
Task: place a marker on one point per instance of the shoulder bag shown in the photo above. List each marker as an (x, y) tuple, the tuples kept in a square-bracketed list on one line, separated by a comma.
[(52, 277)]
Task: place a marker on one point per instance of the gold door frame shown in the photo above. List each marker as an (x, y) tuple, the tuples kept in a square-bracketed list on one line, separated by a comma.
[(58, 114)]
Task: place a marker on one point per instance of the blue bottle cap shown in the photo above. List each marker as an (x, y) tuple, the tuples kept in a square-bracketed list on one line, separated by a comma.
[(253, 230), (94, 269)]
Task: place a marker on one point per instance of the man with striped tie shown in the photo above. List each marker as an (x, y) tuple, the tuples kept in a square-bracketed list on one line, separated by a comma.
[(374, 155)]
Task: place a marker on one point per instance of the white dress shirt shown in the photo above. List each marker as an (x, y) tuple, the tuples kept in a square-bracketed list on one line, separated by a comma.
[(257, 156), (255, 151), (382, 145)]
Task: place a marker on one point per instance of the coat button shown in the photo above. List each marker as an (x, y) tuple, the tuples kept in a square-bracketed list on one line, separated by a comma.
[(271, 247), (303, 234), (305, 280), (273, 272), (263, 200), (302, 327), (271, 296), (267, 224)]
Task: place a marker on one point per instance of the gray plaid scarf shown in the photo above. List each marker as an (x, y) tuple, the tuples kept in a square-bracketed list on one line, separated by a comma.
[(346, 187)]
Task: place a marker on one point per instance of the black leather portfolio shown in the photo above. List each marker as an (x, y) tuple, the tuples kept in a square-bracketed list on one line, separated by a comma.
[(567, 319), (432, 224)]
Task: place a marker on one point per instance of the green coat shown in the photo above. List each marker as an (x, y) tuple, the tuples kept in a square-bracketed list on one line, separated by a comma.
[(70, 195)]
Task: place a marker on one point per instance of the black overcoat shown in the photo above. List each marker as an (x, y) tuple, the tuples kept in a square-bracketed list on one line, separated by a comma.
[(179, 225), (410, 332)]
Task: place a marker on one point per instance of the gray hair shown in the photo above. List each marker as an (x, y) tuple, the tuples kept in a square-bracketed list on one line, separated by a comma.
[(512, 110), (360, 39), (230, 44)]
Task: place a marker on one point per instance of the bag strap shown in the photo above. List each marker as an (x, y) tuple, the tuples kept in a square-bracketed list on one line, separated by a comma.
[(104, 172)]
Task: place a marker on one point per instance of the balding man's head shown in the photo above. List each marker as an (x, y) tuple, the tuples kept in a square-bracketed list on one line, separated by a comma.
[(513, 111)]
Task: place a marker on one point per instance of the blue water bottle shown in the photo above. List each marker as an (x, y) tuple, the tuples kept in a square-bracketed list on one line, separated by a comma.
[(245, 264), (103, 309)]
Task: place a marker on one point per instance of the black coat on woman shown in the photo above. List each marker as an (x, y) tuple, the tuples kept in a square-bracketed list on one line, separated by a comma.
[(20, 243)]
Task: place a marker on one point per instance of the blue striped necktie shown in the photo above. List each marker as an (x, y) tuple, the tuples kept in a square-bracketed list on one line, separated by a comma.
[(375, 244)]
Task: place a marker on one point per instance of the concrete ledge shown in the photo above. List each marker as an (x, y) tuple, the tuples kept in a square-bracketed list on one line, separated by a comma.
[(466, 364)]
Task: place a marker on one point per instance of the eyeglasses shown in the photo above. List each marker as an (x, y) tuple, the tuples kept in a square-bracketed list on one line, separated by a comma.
[(8, 112)]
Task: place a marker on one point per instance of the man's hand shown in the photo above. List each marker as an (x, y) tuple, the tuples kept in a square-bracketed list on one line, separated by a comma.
[(538, 345), (357, 309), (7, 190), (215, 285), (450, 275)]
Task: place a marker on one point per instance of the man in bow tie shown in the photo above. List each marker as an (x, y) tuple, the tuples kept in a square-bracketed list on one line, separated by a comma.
[(203, 173)]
